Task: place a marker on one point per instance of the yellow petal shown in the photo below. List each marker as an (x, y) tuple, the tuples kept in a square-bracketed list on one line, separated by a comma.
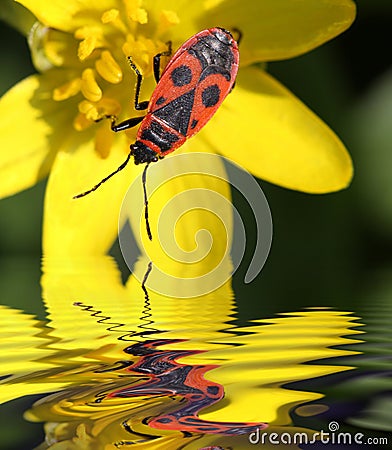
[(267, 130), (69, 15), (274, 30), (182, 18), (87, 225), (27, 124), (191, 221)]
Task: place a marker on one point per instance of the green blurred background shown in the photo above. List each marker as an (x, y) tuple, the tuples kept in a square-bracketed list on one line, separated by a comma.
[(328, 250)]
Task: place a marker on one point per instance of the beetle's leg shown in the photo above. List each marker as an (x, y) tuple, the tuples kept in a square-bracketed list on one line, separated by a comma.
[(126, 124), (157, 61), (129, 123), (139, 106)]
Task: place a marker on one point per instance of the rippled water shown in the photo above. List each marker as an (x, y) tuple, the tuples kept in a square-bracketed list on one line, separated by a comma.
[(111, 367)]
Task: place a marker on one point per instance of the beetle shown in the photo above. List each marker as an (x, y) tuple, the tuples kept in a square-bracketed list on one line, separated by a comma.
[(189, 91)]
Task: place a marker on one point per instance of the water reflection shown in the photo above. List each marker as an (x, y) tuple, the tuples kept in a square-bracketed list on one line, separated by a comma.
[(374, 380), (362, 400), (116, 368)]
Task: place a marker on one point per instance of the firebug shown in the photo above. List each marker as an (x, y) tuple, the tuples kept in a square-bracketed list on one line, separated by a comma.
[(190, 89)]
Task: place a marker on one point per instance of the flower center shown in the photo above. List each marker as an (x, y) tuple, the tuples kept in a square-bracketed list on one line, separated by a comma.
[(98, 74)]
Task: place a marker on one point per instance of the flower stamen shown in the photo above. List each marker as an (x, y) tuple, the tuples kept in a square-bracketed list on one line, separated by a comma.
[(108, 68), (91, 38), (168, 19), (112, 17), (67, 90), (89, 87), (135, 12), (102, 64)]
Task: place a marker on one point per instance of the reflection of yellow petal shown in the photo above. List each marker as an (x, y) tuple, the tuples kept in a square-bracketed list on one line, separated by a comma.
[(280, 346), (277, 138), (91, 282), (281, 29), (96, 282), (198, 320), (253, 362), (24, 349), (254, 365), (87, 225), (26, 152)]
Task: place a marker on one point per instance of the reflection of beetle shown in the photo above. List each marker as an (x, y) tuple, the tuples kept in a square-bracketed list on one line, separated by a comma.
[(191, 88)]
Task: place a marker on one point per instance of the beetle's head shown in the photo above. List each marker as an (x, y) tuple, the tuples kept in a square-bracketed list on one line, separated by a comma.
[(143, 154)]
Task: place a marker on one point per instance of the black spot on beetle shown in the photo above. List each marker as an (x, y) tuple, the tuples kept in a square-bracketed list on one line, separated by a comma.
[(181, 75), (194, 123), (210, 95), (160, 100)]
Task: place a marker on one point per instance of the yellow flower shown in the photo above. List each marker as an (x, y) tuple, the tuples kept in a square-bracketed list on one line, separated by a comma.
[(80, 49)]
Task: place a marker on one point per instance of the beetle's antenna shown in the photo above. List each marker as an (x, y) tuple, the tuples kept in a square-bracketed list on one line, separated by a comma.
[(121, 167), (239, 35), (144, 177)]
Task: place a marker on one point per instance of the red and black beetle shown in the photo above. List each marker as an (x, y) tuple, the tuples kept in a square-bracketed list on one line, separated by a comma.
[(190, 89)]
